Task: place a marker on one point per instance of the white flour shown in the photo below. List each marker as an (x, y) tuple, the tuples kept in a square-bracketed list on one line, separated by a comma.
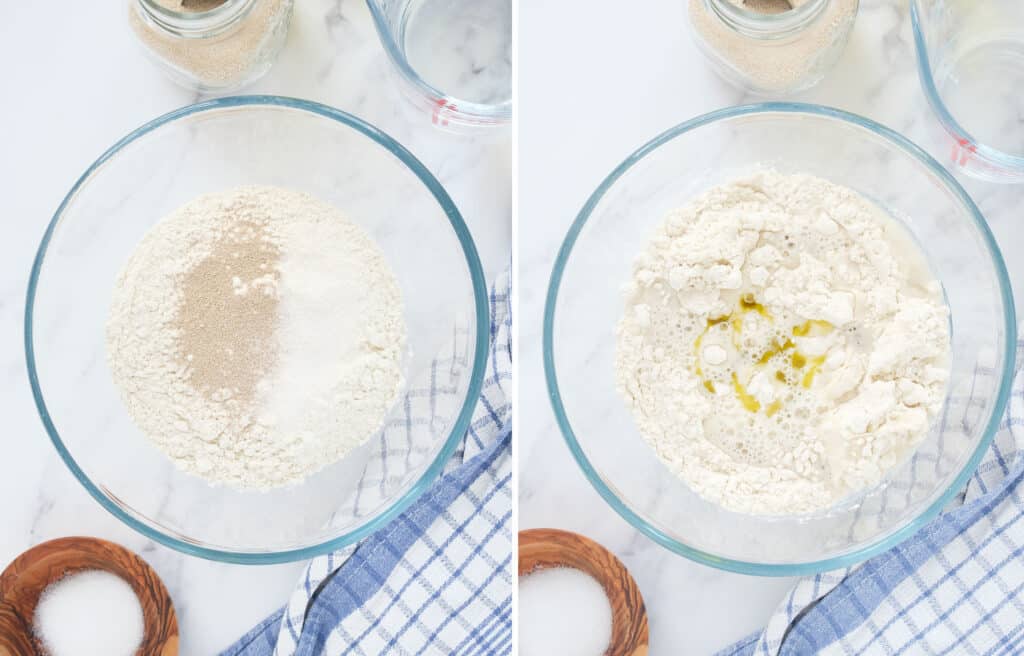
[(256, 336), (783, 345)]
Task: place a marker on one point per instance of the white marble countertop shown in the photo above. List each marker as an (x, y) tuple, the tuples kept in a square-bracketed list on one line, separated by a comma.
[(597, 80), (75, 82)]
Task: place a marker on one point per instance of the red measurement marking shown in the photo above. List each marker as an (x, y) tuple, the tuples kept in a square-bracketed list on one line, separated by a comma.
[(442, 106), (963, 151)]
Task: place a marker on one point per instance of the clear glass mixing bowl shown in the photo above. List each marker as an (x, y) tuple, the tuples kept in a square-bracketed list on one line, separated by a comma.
[(584, 304), (213, 146)]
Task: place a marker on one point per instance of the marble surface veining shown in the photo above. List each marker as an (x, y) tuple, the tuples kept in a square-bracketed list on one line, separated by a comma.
[(75, 83), (597, 80)]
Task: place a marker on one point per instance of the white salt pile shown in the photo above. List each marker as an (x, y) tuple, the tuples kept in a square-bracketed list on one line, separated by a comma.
[(563, 611), (91, 613)]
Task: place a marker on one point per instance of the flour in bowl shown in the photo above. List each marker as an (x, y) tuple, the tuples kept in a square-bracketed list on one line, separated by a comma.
[(256, 335), (784, 344)]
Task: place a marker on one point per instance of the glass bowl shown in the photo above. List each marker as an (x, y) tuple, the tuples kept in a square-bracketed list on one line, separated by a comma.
[(210, 147), (584, 304)]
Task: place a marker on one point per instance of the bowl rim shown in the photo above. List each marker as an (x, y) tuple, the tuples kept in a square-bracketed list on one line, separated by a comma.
[(460, 424), (865, 551)]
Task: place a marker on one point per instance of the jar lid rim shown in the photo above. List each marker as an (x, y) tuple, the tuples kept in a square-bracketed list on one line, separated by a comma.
[(767, 26), (197, 24)]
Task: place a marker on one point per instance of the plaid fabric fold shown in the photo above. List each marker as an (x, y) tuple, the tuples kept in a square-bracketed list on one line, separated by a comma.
[(437, 579), (956, 587)]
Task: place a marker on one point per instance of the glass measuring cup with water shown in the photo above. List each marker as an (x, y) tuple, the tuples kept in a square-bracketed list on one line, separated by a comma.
[(453, 57), (970, 56)]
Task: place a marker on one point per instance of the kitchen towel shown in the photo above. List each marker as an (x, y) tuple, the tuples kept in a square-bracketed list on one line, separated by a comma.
[(956, 587), (437, 579)]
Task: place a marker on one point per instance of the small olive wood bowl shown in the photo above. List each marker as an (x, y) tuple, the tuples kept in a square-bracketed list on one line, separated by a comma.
[(541, 548), (29, 574)]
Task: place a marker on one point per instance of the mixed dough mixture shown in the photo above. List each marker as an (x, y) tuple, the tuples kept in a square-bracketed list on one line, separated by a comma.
[(784, 344), (256, 336)]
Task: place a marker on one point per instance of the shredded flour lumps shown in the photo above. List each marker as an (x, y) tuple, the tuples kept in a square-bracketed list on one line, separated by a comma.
[(784, 344), (256, 336)]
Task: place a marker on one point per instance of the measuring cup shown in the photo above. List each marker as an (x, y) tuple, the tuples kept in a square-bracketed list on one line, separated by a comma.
[(970, 56), (453, 57)]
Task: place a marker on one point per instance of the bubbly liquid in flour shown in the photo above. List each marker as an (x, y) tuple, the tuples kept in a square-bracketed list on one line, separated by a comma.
[(784, 344)]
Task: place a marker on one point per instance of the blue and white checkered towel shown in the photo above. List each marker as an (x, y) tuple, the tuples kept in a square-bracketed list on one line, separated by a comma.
[(436, 580), (957, 587)]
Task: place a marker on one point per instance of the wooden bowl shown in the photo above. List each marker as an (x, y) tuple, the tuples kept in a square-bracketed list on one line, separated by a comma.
[(541, 548), (24, 580)]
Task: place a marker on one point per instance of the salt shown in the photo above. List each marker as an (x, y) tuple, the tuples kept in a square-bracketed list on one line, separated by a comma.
[(563, 611), (90, 613)]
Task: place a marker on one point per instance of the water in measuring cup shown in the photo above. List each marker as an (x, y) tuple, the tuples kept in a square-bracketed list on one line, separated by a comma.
[(983, 88), (462, 48)]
